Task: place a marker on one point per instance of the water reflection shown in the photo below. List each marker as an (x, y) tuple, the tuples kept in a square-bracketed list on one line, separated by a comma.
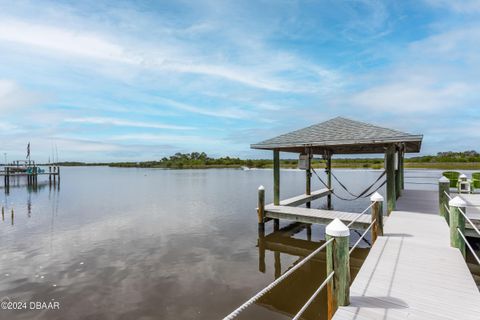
[(288, 297), (119, 243)]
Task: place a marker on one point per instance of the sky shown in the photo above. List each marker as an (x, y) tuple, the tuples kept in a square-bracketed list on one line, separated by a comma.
[(132, 81)]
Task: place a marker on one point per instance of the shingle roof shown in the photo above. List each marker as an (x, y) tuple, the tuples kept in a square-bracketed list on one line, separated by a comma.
[(341, 135)]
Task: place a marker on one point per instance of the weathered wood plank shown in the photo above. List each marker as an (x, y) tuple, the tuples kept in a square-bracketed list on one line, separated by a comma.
[(304, 198), (318, 216)]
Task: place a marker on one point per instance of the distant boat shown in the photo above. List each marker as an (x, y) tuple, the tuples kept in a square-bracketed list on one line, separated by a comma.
[(245, 168)]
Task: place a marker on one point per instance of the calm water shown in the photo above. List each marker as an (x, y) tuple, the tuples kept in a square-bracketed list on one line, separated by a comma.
[(115, 243)]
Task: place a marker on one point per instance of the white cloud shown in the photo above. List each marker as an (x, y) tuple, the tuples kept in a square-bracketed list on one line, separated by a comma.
[(126, 123), (56, 39), (461, 6), (259, 67), (12, 96), (234, 113), (407, 96)]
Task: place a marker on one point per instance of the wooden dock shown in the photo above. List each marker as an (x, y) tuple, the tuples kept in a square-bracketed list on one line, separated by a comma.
[(318, 216), (412, 272), (288, 210)]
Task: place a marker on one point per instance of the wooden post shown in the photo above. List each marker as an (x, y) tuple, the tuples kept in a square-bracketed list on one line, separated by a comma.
[(308, 177), (278, 264), (457, 221), (58, 173), (402, 168), (390, 168), (377, 215), (276, 224), (443, 190), (338, 261), (329, 181), (398, 182), (261, 254), (276, 177), (261, 209)]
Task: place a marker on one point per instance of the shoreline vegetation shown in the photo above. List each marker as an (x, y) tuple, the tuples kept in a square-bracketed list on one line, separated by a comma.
[(467, 160)]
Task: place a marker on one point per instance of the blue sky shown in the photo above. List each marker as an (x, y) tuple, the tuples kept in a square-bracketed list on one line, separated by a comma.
[(121, 81)]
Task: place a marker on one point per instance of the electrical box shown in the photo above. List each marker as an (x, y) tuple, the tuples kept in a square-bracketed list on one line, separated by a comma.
[(304, 162)]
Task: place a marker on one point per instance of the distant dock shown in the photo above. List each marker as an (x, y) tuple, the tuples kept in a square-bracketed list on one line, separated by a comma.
[(30, 171)]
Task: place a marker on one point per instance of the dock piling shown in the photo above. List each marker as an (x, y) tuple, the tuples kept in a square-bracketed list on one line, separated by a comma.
[(443, 190), (308, 178), (457, 221), (398, 182), (329, 180), (377, 215), (390, 168), (261, 209), (338, 261)]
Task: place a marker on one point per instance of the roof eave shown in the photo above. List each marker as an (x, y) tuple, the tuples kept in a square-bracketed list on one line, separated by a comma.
[(411, 138)]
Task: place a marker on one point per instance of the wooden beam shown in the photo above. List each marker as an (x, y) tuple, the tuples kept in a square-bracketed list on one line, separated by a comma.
[(276, 177), (390, 168), (305, 198), (398, 182), (317, 216), (308, 177), (402, 168), (329, 181)]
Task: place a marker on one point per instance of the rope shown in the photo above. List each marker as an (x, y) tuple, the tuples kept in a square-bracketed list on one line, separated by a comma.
[(470, 221), (363, 235), (309, 302), (420, 177), (249, 302), (346, 199), (430, 183), (448, 195), (468, 245), (360, 214), (364, 191), (466, 218)]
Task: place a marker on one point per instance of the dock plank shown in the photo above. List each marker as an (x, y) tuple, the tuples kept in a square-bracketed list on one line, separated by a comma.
[(318, 216), (304, 198), (412, 272)]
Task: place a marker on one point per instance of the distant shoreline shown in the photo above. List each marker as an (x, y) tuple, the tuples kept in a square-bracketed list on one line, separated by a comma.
[(342, 165), (200, 160)]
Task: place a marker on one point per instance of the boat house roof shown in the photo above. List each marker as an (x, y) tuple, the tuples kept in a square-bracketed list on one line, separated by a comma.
[(341, 136)]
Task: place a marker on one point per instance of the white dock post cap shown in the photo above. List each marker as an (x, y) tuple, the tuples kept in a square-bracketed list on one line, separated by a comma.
[(337, 228), (463, 176), (377, 197), (261, 188), (444, 179), (457, 202)]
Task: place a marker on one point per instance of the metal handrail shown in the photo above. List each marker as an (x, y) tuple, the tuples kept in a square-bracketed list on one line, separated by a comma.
[(362, 236), (468, 245), (466, 218), (358, 217), (314, 295), (237, 311)]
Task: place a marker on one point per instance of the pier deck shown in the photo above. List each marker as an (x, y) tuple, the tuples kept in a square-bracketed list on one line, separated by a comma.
[(318, 216), (412, 272)]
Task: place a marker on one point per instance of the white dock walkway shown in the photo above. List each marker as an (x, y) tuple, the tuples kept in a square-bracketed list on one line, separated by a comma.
[(412, 272)]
